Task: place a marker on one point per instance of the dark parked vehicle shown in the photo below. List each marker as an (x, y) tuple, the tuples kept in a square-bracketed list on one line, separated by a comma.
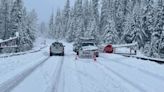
[(57, 48), (75, 47)]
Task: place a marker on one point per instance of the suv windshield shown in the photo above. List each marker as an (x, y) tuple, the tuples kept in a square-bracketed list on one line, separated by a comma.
[(87, 44)]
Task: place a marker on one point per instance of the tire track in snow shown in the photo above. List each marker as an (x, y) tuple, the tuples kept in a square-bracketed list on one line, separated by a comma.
[(13, 82), (57, 74), (79, 78), (113, 81), (137, 86), (137, 68), (96, 84), (92, 81)]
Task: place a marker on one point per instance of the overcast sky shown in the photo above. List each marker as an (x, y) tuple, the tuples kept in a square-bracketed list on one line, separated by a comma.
[(45, 7)]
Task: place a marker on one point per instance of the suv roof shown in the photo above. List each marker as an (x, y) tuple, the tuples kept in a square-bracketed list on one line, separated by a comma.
[(57, 43), (87, 40)]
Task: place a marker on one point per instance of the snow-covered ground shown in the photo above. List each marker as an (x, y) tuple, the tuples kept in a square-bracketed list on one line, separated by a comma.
[(110, 73)]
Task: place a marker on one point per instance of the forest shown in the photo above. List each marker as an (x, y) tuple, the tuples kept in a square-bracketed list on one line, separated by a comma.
[(14, 18), (108, 21), (113, 22)]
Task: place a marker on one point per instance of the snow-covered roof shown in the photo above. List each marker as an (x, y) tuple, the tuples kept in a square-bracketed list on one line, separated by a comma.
[(9, 46), (87, 38), (125, 45), (119, 45), (2, 41), (90, 48)]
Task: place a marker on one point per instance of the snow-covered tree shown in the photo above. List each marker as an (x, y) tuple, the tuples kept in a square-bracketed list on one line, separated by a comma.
[(158, 32), (87, 10), (16, 17), (28, 30), (43, 31), (107, 25), (79, 30), (58, 26), (23, 23), (32, 24), (95, 6), (4, 19), (119, 18), (65, 18), (114, 21), (71, 29), (148, 19), (135, 32), (104, 15), (51, 25)]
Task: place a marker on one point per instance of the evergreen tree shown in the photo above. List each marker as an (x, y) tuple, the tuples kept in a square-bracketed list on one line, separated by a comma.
[(58, 25), (109, 34), (43, 32), (16, 17), (32, 24), (4, 19), (104, 15), (87, 14), (65, 18), (158, 33), (95, 5), (71, 29), (51, 26), (119, 19), (148, 20), (79, 30), (24, 24)]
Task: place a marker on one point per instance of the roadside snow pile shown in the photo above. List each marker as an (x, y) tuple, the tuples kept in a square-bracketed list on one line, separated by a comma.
[(21, 59), (1, 40), (17, 66), (147, 66), (7, 65), (144, 76), (125, 45), (38, 46), (122, 50)]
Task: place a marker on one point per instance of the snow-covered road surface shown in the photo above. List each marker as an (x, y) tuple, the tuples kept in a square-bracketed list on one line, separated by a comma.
[(110, 73)]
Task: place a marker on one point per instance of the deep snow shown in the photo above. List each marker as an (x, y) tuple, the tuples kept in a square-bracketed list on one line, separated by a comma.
[(110, 73)]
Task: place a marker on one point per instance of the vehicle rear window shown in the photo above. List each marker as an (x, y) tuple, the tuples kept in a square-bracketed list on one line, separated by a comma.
[(57, 44)]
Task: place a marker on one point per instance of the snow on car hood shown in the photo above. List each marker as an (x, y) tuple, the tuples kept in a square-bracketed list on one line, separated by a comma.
[(90, 48)]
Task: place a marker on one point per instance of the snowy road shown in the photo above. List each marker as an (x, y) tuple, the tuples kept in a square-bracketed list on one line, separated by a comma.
[(111, 73)]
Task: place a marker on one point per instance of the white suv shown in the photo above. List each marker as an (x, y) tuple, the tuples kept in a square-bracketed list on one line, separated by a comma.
[(88, 49)]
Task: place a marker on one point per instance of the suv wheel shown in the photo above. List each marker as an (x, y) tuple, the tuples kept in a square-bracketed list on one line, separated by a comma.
[(62, 54), (50, 54), (77, 52)]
